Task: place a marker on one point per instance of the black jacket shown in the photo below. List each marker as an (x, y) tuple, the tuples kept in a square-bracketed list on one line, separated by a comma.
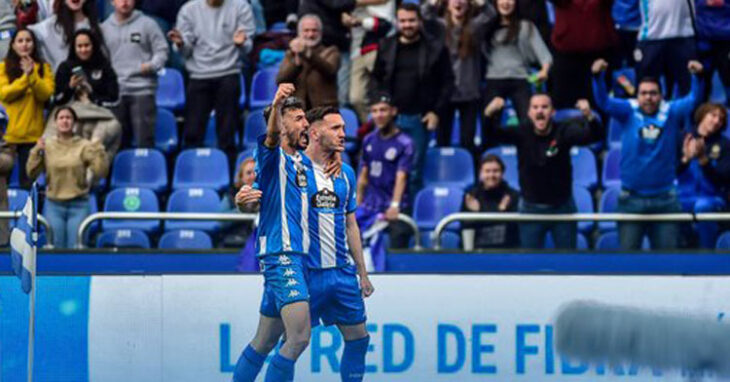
[(494, 235), (102, 78), (330, 11), (435, 74)]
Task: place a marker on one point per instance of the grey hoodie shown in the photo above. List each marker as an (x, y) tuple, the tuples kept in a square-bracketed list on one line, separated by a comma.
[(133, 42), (51, 42), (7, 15), (207, 33)]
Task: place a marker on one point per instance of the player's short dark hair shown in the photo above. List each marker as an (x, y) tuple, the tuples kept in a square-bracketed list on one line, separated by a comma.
[(318, 113), (492, 158), (650, 80), (291, 103), (410, 7)]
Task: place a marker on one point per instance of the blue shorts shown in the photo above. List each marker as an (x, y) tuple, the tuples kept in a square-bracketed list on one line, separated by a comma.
[(335, 297), (284, 282)]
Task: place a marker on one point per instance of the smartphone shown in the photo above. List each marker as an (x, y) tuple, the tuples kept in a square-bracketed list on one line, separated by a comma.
[(78, 71)]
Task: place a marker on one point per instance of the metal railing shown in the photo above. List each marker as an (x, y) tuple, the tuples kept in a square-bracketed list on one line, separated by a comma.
[(7, 215), (612, 217), (247, 217)]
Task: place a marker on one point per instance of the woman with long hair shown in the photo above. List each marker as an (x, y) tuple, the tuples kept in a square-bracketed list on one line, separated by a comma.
[(26, 83), (463, 27), (87, 82), (513, 46), (66, 159), (55, 34)]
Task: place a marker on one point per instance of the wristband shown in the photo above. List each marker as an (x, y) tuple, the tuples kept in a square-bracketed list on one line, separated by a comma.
[(394, 204)]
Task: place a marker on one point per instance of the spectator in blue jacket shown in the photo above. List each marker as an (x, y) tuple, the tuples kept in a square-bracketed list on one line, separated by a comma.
[(705, 169), (713, 34), (650, 138)]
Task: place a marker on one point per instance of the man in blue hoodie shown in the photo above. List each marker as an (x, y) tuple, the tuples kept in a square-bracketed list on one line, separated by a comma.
[(650, 138)]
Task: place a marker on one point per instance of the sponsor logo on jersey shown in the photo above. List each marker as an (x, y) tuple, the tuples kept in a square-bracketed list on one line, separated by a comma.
[(325, 199)]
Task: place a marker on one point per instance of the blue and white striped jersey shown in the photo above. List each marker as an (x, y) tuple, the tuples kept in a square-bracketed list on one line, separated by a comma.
[(330, 200), (283, 216)]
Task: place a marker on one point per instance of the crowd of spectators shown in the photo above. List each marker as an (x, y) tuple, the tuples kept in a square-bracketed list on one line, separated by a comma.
[(79, 79)]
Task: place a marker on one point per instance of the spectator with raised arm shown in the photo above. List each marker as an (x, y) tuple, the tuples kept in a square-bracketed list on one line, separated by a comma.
[(545, 168), (87, 82), (311, 66), (26, 84), (213, 35), (66, 159), (415, 69), (650, 138), (513, 45), (706, 167), (56, 33), (138, 50), (492, 194), (462, 28)]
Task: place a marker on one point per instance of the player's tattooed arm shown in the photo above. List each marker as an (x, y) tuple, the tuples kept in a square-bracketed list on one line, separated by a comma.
[(273, 127), (334, 166), (353, 240)]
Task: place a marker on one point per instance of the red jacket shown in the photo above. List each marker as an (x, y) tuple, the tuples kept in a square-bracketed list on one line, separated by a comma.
[(583, 26)]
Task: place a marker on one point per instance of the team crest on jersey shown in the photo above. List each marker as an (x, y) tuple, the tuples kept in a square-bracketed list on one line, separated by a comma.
[(552, 150), (325, 199), (96, 74), (715, 152), (284, 260), (650, 133), (301, 178), (391, 153), (289, 272), (292, 282)]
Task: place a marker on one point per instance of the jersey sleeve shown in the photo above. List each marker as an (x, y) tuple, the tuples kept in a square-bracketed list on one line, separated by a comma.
[(266, 164), (405, 161), (352, 188)]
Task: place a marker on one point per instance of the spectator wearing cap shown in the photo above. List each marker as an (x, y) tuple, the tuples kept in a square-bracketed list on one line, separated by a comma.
[(382, 187), (415, 69), (311, 66), (138, 50), (545, 169), (705, 168), (213, 36), (492, 194), (650, 138)]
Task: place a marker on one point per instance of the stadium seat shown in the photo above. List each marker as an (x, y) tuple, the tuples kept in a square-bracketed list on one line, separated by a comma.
[(14, 180), (608, 204), (562, 115), (610, 241), (584, 204), (584, 168), (248, 153), (131, 199), (196, 168), (166, 138), (351, 126), (242, 98), (434, 203), (211, 134), (449, 240), (717, 90), (581, 242), (614, 134), (146, 168), (255, 126), (509, 157), (448, 166), (279, 27), (16, 202), (170, 90), (185, 239), (263, 88), (723, 241), (123, 238), (611, 175), (193, 200)]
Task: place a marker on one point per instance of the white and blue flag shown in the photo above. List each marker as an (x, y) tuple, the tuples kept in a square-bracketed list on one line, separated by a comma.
[(23, 241)]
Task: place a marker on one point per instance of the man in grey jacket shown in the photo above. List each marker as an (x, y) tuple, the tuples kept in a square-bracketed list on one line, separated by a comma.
[(212, 36), (138, 50)]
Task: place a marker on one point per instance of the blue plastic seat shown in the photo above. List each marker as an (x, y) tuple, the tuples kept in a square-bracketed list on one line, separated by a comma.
[(16, 201), (581, 242), (123, 238), (242, 98), (584, 204), (193, 200), (146, 168), (255, 127), (131, 199), (509, 157), (433, 203), (584, 167), (608, 204), (449, 240), (562, 115), (611, 175), (211, 133), (723, 241), (185, 239), (166, 138), (170, 90), (351, 126), (263, 88), (14, 180), (614, 134), (610, 241), (201, 168), (449, 166)]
